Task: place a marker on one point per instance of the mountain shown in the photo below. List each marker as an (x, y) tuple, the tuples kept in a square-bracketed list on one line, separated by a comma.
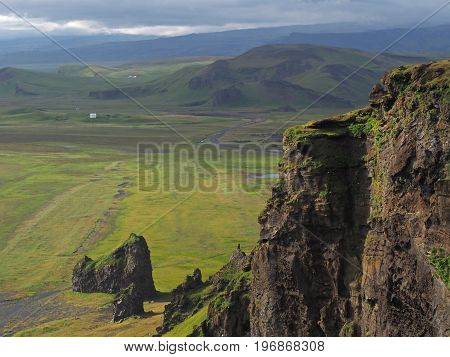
[(431, 40), (40, 43), (354, 240), (226, 43), (79, 80), (269, 76)]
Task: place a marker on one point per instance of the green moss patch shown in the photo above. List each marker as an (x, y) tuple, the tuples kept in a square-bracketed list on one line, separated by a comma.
[(440, 260), (348, 330)]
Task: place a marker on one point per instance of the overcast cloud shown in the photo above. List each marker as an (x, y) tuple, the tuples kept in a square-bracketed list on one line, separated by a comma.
[(176, 17)]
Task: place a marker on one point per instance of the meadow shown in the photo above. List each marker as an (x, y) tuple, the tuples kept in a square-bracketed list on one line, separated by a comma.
[(59, 201), (69, 187)]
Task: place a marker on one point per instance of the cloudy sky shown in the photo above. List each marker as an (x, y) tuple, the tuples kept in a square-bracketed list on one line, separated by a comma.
[(177, 17)]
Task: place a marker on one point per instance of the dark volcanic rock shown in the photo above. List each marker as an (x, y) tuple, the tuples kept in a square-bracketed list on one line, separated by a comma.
[(355, 239), (347, 239), (225, 295), (184, 302), (128, 264), (311, 233), (128, 302), (193, 281)]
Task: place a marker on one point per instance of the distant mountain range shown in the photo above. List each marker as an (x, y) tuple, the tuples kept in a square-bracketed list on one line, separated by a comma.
[(430, 41), (43, 44)]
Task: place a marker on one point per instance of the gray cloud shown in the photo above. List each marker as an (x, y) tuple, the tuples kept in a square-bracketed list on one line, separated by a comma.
[(172, 17)]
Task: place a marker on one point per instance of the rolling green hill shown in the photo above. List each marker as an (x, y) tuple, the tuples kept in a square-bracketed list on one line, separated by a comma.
[(25, 83), (270, 76), (281, 77)]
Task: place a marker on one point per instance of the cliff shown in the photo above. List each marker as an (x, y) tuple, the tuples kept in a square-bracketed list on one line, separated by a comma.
[(355, 239)]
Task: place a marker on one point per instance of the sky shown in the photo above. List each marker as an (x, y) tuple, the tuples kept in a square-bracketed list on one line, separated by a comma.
[(178, 17)]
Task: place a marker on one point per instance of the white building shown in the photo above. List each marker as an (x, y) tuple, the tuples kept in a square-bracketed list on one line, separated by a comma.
[(93, 116)]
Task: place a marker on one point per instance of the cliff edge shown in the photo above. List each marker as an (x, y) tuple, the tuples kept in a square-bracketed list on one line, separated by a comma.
[(355, 239)]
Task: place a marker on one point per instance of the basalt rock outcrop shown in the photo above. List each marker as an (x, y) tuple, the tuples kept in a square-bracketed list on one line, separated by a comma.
[(128, 265), (128, 302), (218, 307), (192, 282), (355, 240)]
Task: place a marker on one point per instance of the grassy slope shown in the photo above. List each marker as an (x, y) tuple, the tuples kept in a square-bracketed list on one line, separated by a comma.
[(142, 71), (92, 317), (73, 83), (311, 67), (57, 184)]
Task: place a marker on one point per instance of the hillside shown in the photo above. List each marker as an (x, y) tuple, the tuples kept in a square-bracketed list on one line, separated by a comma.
[(78, 81), (271, 76), (354, 241), (25, 83)]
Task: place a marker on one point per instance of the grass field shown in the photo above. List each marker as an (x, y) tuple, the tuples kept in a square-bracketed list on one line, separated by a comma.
[(58, 201), (69, 187)]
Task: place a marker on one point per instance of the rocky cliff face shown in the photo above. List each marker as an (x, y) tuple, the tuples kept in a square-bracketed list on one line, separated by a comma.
[(128, 264), (355, 239)]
